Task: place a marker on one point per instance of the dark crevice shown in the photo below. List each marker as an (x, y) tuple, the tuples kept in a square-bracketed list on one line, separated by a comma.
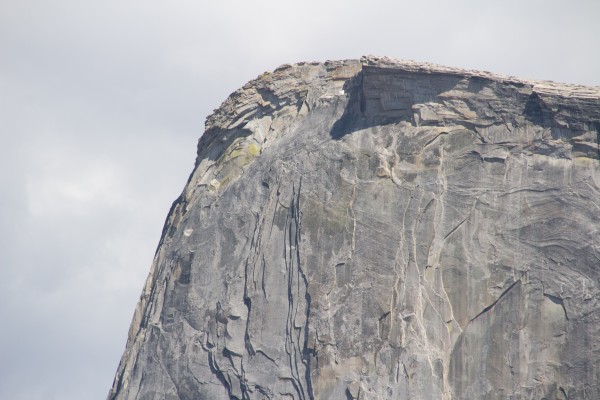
[(498, 160), (483, 158), (219, 374), (266, 356), (247, 343), (306, 353), (354, 112), (264, 391), (298, 353), (291, 344), (562, 390), (349, 395), (254, 244), (488, 308), (168, 226), (435, 138), (536, 111), (456, 227), (185, 264), (263, 281), (597, 125)]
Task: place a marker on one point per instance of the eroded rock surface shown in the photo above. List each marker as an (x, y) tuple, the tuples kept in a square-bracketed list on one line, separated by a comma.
[(380, 229)]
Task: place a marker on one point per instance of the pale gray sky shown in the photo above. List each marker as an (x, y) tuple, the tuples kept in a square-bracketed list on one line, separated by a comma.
[(101, 105)]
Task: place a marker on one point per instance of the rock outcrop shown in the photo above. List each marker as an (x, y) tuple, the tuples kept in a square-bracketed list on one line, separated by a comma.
[(380, 229)]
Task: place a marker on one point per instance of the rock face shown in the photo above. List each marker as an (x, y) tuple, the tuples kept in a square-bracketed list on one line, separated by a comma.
[(380, 229)]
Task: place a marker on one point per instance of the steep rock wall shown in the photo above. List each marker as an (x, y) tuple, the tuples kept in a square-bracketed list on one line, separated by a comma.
[(380, 229)]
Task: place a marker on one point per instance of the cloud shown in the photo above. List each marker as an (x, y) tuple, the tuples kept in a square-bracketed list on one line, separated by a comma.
[(101, 106)]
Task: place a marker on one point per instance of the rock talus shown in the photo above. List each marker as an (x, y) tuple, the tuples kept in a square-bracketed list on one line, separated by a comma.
[(380, 229)]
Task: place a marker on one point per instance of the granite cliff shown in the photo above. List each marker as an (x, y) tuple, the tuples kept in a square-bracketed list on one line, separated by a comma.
[(380, 229)]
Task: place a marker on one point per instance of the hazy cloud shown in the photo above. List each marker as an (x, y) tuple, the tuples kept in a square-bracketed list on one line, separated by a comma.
[(101, 105)]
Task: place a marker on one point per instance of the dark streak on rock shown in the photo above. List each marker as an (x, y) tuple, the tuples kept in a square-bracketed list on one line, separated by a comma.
[(491, 306)]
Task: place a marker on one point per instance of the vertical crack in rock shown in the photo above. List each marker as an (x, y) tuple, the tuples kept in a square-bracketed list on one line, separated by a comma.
[(380, 229), (298, 311)]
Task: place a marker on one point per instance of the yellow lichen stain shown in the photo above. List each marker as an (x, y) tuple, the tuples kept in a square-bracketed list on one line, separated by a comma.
[(241, 153), (214, 185), (254, 149), (584, 161), (241, 148), (234, 151)]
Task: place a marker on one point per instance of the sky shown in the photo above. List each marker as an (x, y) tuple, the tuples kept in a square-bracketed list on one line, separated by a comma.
[(101, 106)]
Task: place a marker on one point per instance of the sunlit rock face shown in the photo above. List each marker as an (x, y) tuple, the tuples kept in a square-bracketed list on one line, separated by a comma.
[(380, 229)]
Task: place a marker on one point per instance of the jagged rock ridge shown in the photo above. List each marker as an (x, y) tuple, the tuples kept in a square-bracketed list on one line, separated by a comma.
[(380, 229)]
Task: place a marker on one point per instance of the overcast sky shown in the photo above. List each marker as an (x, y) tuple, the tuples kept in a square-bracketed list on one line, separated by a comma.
[(101, 105)]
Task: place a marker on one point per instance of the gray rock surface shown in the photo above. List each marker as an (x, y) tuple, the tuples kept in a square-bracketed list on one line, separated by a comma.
[(380, 229)]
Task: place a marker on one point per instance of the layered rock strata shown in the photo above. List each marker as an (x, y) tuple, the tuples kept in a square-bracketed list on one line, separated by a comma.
[(380, 229)]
